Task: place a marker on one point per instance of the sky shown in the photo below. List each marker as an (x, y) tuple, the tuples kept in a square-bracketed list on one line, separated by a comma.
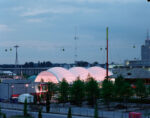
[(43, 28)]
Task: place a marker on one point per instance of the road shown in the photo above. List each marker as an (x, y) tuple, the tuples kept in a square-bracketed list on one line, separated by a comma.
[(35, 114)]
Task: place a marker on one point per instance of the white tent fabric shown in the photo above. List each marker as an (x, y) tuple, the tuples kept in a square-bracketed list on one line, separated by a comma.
[(56, 74), (29, 98)]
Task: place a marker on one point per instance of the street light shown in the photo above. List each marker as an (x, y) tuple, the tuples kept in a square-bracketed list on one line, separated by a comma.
[(12, 86), (26, 85)]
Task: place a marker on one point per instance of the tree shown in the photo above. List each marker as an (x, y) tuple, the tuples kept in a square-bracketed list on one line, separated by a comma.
[(69, 113), (119, 82), (47, 102), (140, 89), (0, 110), (126, 92), (92, 90), (148, 90), (96, 111), (77, 92), (35, 99), (51, 88), (4, 115), (122, 89), (107, 91), (63, 91), (40, 113), (25, 108)]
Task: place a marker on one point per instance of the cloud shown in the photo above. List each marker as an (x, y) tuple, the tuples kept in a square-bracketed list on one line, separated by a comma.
[(18, 8), (35, 20), (100, 1), (4, 27), (35, 12), (57, 10)]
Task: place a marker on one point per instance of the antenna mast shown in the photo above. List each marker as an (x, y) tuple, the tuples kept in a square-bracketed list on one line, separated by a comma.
[(76, 46), (16, 60)]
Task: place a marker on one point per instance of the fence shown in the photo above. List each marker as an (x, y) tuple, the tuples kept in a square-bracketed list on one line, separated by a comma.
[(78, 111)]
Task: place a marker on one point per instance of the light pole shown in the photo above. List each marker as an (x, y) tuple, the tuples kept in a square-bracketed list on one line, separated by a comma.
[(26, 86), (12, 86)]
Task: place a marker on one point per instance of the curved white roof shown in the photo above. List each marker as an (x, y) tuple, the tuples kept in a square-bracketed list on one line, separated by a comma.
[(98, 73), (62, 73), (80, 72), (56, 74), (46, 76)]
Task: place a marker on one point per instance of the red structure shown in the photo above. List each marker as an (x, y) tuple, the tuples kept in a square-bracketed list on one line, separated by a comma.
[(135, 115), (107, 53)]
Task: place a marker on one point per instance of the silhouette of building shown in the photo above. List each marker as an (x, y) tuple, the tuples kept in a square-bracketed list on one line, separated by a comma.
[(145, 50)]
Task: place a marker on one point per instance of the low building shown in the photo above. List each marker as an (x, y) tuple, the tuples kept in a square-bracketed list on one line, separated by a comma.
[(10, 88), (132, 74)]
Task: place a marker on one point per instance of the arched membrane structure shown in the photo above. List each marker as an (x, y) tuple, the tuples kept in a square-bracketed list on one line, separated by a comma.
[(98, 73), (80, 72), (62, 73), (46, 76), (57, 74)]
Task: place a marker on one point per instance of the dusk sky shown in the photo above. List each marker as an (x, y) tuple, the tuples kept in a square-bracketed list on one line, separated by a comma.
[(42, 28)]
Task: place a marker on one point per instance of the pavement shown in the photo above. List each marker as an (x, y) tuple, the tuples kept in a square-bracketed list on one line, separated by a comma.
[(9, 113)]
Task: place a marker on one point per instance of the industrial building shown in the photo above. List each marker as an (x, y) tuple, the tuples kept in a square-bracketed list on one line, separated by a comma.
[(11, 88), (133, 74)]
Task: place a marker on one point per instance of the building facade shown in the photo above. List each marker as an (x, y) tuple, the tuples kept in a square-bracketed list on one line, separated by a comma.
[(145, 51)]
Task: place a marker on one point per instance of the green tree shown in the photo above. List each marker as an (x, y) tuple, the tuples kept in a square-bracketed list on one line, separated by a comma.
[(107, 91), (1, 111), (47, 102), (126, 90), (148, 90), (122, 89), (77, 92), (96, 111), (69, 113), (25, 108), (4, 115), (35, 99), (140, 89), (63, 91), (40, 113), (119, 82), (51, 88), (92, 90)]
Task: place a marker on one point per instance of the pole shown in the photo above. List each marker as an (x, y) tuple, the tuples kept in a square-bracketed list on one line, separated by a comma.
[(16, 60), (107, 53)]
